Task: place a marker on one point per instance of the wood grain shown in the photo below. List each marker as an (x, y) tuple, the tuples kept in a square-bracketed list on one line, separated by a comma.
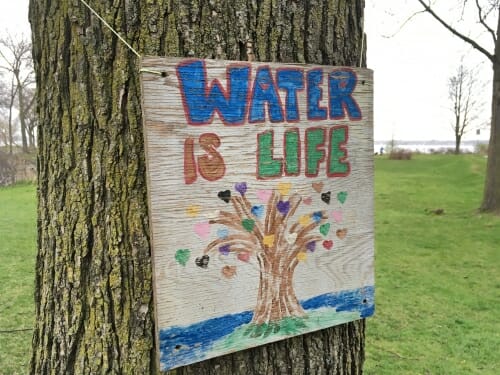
[(215, 258)]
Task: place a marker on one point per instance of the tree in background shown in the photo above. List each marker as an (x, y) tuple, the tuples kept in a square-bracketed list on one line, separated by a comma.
[(462, 94), (488, 13), (93, 295), (16, 56), (4, 125)]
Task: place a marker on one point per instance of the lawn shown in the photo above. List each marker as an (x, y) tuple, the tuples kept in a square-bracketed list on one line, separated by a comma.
[(437, 276), (17, 273)]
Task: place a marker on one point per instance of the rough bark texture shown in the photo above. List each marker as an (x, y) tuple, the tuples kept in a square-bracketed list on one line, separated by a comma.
[(94, 309), (491, 200)]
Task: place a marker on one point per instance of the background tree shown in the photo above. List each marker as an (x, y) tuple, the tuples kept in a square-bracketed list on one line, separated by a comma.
[(462, 94), (4, 110), (488, 13), (30, 117), (94, 304), (16, 55)]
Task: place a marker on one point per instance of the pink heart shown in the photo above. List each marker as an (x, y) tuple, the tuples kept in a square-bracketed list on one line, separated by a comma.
[(308, 201), (244, 256), (202, 230), (264, 195), (337, 216)]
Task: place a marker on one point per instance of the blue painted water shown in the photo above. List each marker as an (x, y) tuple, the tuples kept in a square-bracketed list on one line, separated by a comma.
[(182, 345)]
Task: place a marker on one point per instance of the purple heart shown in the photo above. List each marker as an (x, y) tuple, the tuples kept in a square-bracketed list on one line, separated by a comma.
[(224, 250), (241, 187), (311, 246), (283, 207)]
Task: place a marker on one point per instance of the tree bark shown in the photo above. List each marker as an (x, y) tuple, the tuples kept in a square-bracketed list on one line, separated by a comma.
[(94, 306), (491, 198)]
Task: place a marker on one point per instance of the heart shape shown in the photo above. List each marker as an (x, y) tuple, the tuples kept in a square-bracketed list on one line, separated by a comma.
[(317, 216), (224, 250), (290, 238), (311, 246), (225, 195), (324, 229), (328, 244), (193, 211), (257, 211), (302, 256), (342, 196), (248, 224), (244, 256), (341, 233), (305, 220), (264, 195), (241, 187), (326, 197), (202, 261), (182, 256), (283, 207), (202, 230), (284, 188), (228, 271), (222, 233), (268, 240), (337, 216), (308, 201), (317, 186)]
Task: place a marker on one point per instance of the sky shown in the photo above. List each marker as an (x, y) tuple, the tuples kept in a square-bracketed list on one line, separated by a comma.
[(412, 63)]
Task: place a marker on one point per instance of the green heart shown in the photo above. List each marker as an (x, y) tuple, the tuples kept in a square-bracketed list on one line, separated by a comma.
[(324, 229), (182, 256), (342, 196), (248, 224)]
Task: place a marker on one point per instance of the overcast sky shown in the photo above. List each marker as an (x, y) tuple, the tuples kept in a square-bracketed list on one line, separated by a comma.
[(412, 65)]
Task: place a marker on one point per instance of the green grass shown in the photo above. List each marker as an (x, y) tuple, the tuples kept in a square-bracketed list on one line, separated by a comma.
[(17, 273), (437, 276)]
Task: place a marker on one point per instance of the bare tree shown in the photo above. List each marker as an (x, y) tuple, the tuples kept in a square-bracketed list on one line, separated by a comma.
[(30, 117), (461, 91), (16, 55), (488, 16)]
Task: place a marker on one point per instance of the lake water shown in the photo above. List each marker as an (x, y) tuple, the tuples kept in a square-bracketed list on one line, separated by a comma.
[(428, 146), (182, 345)]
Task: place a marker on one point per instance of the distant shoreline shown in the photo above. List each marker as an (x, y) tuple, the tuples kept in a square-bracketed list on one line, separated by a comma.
[(428, 146)]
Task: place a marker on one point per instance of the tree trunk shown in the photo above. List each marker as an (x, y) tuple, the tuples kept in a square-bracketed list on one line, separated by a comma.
[(22, 115), (458, 139), (491, 199), (94, 306), (276, 297)]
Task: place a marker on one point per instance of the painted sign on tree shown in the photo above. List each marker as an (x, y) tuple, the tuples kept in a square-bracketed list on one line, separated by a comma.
[(261, 201)]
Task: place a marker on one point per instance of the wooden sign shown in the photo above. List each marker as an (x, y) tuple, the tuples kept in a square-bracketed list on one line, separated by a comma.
[(261, 201)]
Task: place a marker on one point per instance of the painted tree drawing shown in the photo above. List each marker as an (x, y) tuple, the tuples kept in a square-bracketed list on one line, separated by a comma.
[(266, 233)]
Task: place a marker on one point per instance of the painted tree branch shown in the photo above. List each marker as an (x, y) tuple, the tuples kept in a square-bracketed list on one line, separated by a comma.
[(245, 241)]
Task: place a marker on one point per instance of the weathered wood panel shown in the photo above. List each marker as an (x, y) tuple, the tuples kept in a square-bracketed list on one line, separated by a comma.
[(261, 201)]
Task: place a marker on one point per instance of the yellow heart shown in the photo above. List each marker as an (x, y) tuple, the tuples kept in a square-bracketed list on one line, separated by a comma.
[(269, 240), (301, 256), (193, 211), (284, 188), (305, 220)]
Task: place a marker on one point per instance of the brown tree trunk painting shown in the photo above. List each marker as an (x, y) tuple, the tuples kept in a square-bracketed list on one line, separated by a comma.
[(277, 245)]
